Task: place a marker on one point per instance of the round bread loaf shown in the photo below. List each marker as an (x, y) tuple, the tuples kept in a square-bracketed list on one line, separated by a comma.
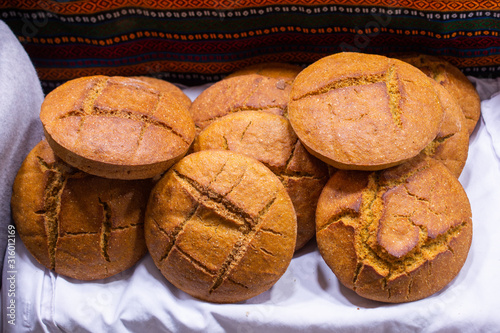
[(270, 139), (451, 145), (81, 226), (364, 112), (220, 226), (169, 88), (250, 92), (276, 70), (453, 80), (395, 235), (116, 127)]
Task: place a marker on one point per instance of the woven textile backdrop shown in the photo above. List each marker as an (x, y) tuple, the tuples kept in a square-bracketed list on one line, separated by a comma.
[(193, 42)]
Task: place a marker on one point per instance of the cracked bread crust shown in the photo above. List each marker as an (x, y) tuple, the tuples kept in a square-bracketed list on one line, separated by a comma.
[(270, 139), (220, 226), (81, 226), (453, 80), (396, 235), (364, 112), (116, 127), (250, 92)]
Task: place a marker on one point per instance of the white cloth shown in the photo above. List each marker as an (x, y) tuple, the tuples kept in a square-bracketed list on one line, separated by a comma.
[(308, 298), (20, 99)]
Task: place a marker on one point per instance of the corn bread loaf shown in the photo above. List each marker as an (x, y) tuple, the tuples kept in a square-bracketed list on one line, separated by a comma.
[(276, 70), (116, 127), (250, 92), (395, 235), (453, 80), (168, 87), (81, 226), (220, 226), (364, 112), (270, 139), (451, 145)]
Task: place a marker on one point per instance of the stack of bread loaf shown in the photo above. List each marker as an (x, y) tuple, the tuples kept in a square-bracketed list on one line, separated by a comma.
[(361, 151)]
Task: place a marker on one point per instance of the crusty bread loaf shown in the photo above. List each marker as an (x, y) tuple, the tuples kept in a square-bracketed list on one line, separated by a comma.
[(78, 225), (453, 80), (395, 235), (277, 70), (250, 92), (222, 223), (364, 112), (451, 145), (169, 88), (116, 127), (220, 226), (270, 139)]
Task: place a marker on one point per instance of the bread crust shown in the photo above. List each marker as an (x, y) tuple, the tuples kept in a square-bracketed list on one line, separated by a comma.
[(364, 112), (453, 80), (116, 127), (251, 92), (276, 70), (220, 226), (270, 139), (168, 87), (451, 145), (79, 225), (396, 235)]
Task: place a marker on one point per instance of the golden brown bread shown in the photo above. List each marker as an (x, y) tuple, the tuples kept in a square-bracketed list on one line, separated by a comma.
[(362, 111), (78, 225), (451, 145), (220, 226), (205, 232), (116, 127), (250, 92), (453, 80), (395, 235), (270, 139), (276, 70), (168, 87)]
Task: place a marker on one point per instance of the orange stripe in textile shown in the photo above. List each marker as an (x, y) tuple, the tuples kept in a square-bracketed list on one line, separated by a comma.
[(89, 7)]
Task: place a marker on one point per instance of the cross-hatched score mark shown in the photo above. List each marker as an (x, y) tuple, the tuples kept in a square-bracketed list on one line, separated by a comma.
[(139, 105), (242, 221)]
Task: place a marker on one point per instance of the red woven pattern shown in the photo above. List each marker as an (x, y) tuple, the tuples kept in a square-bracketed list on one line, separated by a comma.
[(88, 7)]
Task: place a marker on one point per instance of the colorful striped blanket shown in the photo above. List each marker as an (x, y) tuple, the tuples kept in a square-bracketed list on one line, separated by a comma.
[(194, 42)]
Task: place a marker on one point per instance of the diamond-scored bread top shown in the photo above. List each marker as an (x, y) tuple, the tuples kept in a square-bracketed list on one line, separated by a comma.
[(230, 226), (358, 111), (117, 120)]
